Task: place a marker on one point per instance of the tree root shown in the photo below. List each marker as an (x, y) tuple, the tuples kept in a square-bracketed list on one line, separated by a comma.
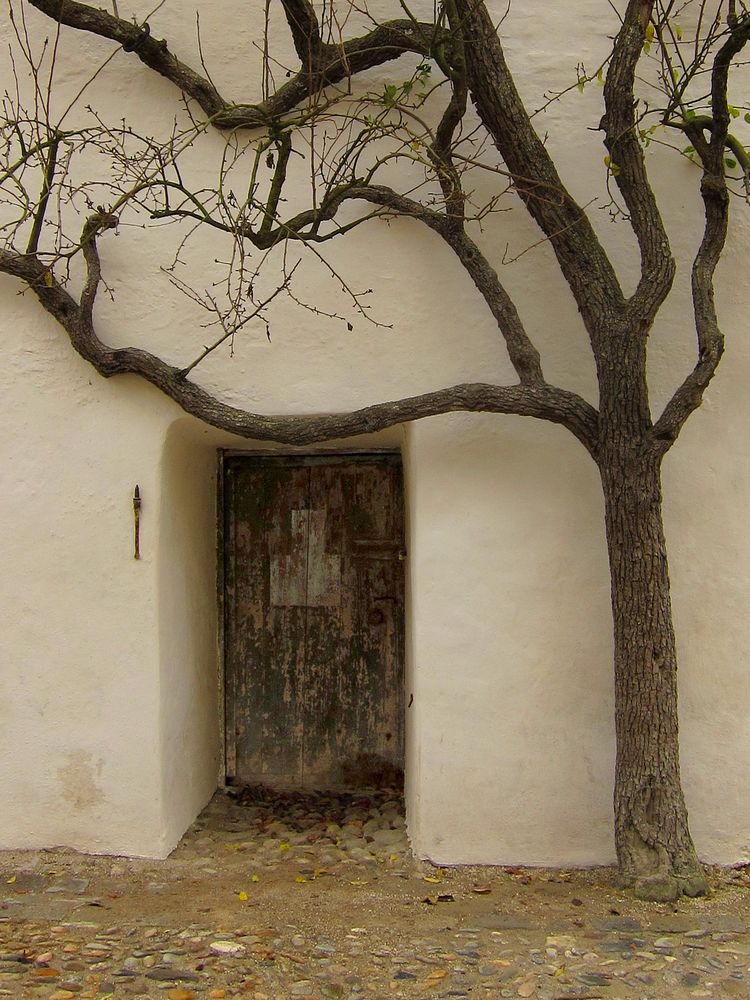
[(666, 887)]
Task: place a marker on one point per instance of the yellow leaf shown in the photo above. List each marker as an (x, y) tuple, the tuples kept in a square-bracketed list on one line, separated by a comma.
[(283, 846), (48, 279), (11, 880), (650, 32), (243, 896), (300, 879), (254, 878), (431, 878), (357, 881), (614, 170)]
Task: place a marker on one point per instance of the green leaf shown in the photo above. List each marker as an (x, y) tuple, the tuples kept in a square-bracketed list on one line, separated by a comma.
[(730, 162), (747, 117), (733, 111)]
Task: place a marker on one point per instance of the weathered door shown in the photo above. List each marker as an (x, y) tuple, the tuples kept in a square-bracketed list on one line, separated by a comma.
[(313, 620)]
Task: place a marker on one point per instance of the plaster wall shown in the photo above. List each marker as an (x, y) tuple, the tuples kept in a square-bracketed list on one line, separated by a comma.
[(109, 684)]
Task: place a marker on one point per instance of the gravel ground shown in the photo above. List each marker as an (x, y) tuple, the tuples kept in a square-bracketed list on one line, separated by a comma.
[(311, 897)]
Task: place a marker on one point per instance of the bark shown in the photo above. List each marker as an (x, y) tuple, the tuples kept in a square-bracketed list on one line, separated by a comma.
[(654, 847)]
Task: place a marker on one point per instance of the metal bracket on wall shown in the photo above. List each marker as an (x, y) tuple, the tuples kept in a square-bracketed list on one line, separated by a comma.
[(137, 522)]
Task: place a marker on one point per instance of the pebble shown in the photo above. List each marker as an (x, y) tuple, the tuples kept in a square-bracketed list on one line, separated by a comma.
[(232, 948)]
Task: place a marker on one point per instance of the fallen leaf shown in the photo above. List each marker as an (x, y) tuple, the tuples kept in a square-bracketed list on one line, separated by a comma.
[(300, 879), (481, 890), (180, 994), (11, 880), (243, 896), (254, 878), (283, 846), (431, 878)]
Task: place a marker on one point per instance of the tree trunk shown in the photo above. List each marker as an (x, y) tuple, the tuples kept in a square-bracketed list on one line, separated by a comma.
[(654, 847)]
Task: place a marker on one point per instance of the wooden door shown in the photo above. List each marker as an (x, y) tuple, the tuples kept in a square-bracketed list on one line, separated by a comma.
[(313, 623)]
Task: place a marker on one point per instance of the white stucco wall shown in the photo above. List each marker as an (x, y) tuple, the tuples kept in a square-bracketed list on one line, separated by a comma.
[(109, 694)]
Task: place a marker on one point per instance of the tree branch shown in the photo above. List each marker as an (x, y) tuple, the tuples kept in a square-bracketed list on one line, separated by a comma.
[(542, 401), (41, 208), (303, 24), (715, 197), (523, 355), (583, 261), (329, 66), (628, 167)]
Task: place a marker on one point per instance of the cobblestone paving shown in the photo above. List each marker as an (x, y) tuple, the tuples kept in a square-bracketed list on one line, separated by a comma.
[(317, 897)]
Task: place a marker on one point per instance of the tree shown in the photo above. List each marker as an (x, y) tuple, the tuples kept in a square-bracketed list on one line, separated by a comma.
[(457, 111)]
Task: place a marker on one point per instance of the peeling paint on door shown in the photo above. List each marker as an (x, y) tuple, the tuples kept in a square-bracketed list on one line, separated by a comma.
[(313, 619)]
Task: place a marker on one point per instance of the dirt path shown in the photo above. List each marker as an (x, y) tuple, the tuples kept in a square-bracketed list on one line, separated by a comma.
[(287, 900)]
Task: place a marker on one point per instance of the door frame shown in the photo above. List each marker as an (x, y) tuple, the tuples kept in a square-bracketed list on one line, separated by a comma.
[(271, 458)]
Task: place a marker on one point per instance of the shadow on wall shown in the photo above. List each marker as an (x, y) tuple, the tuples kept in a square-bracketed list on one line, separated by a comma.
[(185, 527)]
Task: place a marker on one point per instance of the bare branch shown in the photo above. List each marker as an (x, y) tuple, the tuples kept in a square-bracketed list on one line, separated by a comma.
[(542, 401), (305, 30), (331, 65), (41, 209), (628, 166), (716, 206), (583, 261)]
